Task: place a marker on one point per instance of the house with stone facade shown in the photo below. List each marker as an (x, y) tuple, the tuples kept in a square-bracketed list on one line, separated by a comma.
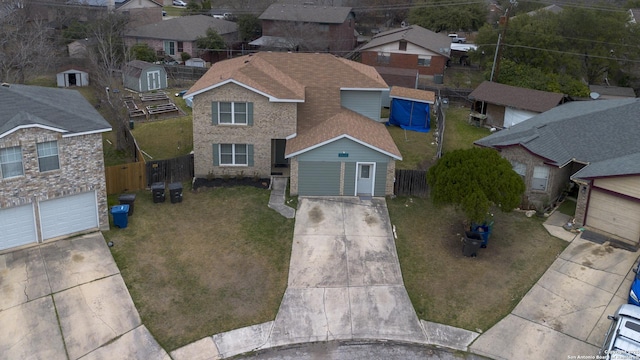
[(588, 145), (312, 117), (402, 55), (52, 177)]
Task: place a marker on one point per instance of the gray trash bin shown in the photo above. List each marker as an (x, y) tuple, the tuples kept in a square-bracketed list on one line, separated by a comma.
[(127, 199), (157, 190), (175, 192), (471, 243)]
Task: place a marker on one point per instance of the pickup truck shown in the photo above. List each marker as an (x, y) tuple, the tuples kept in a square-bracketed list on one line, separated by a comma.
[(457, 39)]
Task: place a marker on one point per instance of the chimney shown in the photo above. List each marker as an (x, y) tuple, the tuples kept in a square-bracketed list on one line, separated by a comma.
[(111, 5)]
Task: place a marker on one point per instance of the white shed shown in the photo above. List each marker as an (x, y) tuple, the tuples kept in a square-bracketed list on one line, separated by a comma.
[(195, 62), (72, 77)]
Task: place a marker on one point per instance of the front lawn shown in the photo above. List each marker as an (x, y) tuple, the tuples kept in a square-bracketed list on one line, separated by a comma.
[(218, 261), (471, 293)]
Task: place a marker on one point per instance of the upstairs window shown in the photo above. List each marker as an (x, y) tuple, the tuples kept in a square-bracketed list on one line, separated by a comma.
[(424, 60), (48, 156), (11, 162), (232, 113)]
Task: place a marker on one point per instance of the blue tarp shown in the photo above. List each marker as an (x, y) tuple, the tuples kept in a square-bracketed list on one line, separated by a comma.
[(410, 115)]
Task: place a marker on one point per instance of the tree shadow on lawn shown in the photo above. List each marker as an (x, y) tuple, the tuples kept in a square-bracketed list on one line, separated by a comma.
[(468, 292)]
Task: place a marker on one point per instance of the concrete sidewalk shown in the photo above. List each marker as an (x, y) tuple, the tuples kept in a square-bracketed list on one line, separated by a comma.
[(565, 312), (67, 300)]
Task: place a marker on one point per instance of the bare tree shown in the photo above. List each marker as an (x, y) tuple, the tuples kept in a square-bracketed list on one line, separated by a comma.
[(26, 46), (109, 52)]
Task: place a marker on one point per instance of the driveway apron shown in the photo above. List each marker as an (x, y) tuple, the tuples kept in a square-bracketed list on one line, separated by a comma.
[(344, 279)]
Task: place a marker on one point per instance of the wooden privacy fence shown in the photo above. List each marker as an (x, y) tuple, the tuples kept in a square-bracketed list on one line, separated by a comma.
[(411, 183), (125, 177), (170, 170)]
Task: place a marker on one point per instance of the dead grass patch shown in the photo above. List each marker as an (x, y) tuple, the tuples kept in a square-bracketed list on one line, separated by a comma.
[(215, 262)]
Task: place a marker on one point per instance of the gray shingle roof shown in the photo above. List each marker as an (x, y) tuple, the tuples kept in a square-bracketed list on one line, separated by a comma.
[(603, 133), (417, 35), (516, 97), (306, 13), (183, 28), (63, 109)]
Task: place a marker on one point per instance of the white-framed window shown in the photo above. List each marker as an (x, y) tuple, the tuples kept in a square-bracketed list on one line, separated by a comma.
[(540, 178), (383, 57), (48, 156), (234, 154), (519, 168), (11, 162), (424, 60), (232, 113)]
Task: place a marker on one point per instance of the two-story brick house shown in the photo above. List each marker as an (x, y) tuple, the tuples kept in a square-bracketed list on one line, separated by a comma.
[(52, 180), (307, 28), (402, 55), (314, 117)]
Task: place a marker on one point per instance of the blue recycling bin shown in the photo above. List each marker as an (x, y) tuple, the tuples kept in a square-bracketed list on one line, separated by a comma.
[(120, 215), (484, 230)]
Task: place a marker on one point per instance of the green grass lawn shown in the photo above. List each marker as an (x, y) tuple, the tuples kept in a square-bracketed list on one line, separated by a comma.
[(215, 262), (471, 293), (458, 133), (418, 149), (165, 139)]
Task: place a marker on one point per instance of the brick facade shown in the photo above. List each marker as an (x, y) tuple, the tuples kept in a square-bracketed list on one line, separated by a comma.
[(270, 121), (81, 170), (406, 61), (391, 177)]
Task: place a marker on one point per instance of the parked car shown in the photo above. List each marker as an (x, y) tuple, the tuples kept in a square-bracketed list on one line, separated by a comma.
[(622, 340), (179, 3), (457, 39), (634, 292)]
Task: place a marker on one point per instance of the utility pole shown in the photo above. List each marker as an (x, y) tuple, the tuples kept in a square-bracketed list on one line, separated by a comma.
[(504, 21)]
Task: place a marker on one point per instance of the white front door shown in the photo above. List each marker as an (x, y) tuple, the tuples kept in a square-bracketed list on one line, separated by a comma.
[(153, 80), (365, 178)]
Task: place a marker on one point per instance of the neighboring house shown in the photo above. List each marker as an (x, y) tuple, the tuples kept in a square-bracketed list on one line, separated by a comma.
[(605, 92), (52, 176), (72, 76), (307, 27), (593, 144), (174, 36), (142, 76), (502, 106), (401, 55), (634, 15), (411, 108), (313, 116), (139, 12)]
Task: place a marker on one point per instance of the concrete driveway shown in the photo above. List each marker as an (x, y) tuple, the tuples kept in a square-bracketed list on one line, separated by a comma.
[(565, 313), (67, 300)]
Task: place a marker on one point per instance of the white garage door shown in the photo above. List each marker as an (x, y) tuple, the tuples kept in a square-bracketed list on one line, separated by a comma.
[(17, 226), (615, 215), (68, 215)]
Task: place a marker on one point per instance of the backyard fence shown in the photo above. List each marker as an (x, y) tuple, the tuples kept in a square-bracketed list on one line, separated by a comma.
[(411, 183), (182, 72), (440, 120), (170, 170)]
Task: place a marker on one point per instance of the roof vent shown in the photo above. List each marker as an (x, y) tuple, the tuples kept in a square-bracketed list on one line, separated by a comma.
[(6, 84)]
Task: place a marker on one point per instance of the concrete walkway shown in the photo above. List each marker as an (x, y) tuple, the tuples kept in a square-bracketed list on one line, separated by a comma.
[(67, 300), (277, 197)]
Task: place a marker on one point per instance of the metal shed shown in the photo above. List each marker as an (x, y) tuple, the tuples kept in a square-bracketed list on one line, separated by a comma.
[(72, 77)]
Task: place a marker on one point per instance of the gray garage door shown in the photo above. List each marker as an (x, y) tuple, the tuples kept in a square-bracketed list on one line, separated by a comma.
[(319, 178), (17, 226), (615, 215), (68, 215)]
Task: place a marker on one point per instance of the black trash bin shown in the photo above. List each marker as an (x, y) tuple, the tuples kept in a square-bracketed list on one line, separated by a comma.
[(127, 199), (175, 192), (157, 189), (471, 243)]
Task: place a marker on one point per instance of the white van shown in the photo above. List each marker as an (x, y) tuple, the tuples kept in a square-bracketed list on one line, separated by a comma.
[(622, 340)]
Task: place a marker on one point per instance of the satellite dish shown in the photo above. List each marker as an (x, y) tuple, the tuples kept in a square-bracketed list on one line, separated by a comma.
[(594, 95)]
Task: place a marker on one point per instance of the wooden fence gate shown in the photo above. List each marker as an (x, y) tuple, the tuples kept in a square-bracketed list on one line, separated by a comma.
[(411, 183), (170, 170)]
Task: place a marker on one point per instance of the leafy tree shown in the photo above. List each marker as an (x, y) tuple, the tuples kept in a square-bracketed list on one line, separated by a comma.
[(249, 27), (474, 179), (441, 15), (144, 52), (212, 41)]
